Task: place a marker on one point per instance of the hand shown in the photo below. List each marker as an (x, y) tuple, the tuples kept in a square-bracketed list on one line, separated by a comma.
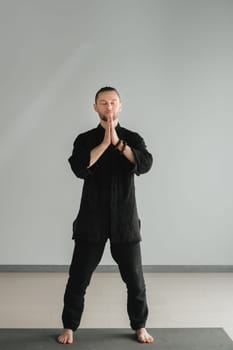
[(114, 136), (107, 135)]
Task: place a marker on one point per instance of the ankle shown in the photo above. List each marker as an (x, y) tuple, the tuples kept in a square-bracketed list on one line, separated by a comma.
[(67, 330)]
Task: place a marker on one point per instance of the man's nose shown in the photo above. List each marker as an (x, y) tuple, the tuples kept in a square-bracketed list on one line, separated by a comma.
[(109, 107)]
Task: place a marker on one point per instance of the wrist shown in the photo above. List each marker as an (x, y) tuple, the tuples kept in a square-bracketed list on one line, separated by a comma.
[(104, 145), (120, 145), (117, 143), (123, 146)]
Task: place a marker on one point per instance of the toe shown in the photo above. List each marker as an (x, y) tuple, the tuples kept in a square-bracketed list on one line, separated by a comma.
[(144, 337), (150, 339), (59, 339)]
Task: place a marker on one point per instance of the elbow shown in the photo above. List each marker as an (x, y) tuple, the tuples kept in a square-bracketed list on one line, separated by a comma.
[(149, 163), (145, 165), (79, 172)]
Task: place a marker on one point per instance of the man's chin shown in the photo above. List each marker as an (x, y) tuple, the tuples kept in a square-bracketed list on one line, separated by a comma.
[(103, 118)]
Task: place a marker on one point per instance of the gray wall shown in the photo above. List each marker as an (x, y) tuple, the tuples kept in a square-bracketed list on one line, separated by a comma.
[(172, 63)]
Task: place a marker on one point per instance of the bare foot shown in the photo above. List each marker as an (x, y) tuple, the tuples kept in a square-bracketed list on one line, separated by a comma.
[(66, 336), (143, 336)]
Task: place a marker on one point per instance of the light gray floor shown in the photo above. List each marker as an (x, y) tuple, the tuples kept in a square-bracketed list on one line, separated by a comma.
[(176, 300)]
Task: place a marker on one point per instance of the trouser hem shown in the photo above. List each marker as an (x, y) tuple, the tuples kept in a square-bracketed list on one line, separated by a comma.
[(67, 326), (138, 326)]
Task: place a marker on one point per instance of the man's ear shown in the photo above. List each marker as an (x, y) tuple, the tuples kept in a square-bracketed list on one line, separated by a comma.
[(120, 107), (94, 106)]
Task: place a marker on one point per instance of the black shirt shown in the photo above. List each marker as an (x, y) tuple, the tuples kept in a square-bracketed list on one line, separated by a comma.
[(108, 204)]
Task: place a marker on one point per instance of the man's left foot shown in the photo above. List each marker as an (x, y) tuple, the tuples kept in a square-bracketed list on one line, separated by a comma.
[(143, 336)]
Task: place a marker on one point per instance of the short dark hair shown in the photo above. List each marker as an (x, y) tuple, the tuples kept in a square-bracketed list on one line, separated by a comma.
[(106, 88)]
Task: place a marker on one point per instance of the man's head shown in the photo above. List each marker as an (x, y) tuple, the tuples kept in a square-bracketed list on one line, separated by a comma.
[(107, 103)]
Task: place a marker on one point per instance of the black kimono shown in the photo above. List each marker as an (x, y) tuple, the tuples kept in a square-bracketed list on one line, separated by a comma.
[(108, 204)]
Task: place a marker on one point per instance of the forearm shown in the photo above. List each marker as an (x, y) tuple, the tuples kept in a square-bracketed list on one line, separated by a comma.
[(127, 152), (96, 153)]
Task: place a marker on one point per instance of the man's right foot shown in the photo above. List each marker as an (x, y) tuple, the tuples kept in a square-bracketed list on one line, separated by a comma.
[(66, 336)]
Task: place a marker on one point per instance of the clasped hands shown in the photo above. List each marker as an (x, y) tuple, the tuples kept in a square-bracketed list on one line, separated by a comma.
[(110, 136)]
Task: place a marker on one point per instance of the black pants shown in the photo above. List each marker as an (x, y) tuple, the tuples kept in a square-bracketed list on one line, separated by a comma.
[(85, 259)]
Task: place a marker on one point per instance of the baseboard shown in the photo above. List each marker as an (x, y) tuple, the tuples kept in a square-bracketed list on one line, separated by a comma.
[(114, 268)]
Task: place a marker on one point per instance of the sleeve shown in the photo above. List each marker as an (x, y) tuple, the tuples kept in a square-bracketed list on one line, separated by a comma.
[(142, 156), (80, 159)]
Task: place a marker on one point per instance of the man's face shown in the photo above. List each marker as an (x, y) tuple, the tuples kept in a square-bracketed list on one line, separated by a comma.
[(108, 105)]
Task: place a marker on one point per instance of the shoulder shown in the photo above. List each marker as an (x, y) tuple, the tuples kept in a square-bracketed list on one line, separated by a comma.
[(84, 136), (131, 134)]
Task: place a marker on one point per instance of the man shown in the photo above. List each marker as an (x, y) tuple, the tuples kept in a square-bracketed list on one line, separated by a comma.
[(107, 158)]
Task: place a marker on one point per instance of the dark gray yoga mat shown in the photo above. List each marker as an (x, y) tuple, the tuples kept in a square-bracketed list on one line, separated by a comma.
[(117, 339)]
